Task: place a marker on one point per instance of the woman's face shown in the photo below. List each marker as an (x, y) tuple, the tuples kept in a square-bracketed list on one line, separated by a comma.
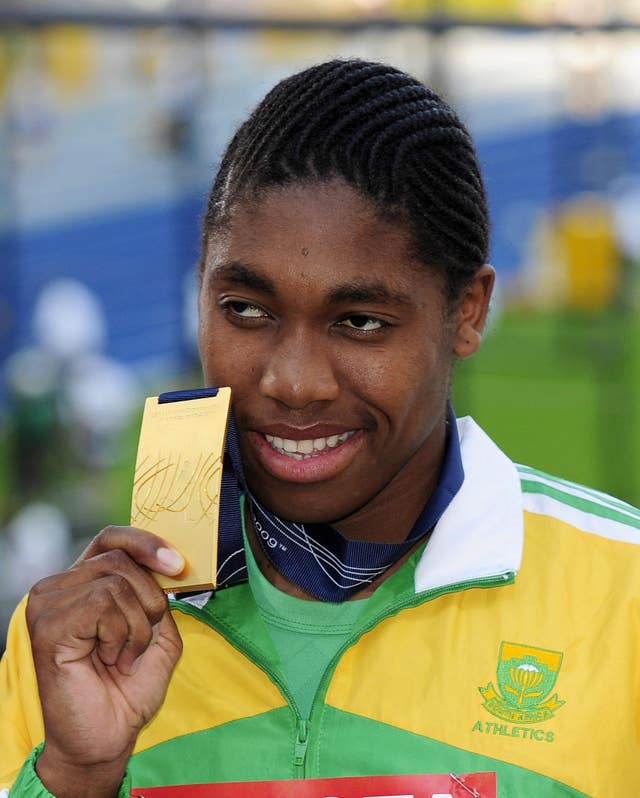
[(338, 347)]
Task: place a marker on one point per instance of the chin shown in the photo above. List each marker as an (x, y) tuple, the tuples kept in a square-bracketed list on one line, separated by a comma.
[(302, 509)]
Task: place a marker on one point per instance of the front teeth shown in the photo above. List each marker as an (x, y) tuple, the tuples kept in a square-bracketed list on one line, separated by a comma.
[(302, 450)]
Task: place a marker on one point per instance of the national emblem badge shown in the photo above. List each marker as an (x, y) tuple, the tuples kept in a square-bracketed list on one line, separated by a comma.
[(526, 675)]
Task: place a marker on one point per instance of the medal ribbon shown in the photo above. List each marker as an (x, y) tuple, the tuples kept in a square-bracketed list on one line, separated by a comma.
[(316, 557)]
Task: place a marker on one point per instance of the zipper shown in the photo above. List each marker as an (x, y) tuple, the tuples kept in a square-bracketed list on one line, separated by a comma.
[(304, 725), (302, 741)]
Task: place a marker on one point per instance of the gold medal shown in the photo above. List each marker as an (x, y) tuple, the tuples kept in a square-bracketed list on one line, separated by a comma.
[(176, 487)]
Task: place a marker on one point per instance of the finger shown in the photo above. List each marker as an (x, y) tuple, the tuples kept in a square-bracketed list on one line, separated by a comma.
[(169, 636), (58, 590), (144, 547), (111, 632), (165, 638), (123, 631), (104, 616)]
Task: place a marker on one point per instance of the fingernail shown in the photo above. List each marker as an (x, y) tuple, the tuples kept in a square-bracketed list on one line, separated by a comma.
[(170, 558), (135, 665)]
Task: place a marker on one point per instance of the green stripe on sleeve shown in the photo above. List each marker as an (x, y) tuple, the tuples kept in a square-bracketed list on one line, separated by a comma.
[(579, 503), (597, 495)]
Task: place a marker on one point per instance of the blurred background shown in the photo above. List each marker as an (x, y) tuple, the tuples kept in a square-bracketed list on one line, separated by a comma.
[(113, 116)]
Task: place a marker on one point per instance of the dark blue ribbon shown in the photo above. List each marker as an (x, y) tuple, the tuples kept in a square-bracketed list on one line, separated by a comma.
[(314, 556)]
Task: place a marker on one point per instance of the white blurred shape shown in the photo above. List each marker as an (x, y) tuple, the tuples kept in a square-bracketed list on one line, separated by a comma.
[(626, 215), (150, 5), (68, 320), (38, 543), (101, 394), (31, 372)]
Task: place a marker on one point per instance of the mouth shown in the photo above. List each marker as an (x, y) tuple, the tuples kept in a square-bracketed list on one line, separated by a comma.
[(305, 460), (309, 447)]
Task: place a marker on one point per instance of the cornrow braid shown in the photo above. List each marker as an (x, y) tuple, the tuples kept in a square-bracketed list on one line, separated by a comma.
[(386, 135)]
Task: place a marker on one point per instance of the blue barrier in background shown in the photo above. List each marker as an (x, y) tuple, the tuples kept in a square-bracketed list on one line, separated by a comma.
[(136, 259)]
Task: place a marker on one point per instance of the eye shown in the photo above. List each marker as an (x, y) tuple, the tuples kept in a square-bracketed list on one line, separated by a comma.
[(244, 310), (363, 323)]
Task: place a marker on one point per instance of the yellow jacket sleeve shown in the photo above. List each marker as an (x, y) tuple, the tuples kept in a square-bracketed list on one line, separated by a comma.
[(21, 726)]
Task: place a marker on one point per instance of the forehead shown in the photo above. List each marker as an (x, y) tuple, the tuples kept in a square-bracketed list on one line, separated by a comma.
[(326, 231)]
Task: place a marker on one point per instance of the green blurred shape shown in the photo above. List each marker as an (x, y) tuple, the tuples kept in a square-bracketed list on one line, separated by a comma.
[(561, 392)]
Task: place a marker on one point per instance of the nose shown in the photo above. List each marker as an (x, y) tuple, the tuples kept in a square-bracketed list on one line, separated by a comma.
[(299, 371)]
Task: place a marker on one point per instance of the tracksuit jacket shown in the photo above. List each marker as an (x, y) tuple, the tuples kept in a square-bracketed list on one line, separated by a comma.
[(509, 644)]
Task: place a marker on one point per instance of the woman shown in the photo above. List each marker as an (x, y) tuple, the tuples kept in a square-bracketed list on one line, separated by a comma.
[(382, 578)]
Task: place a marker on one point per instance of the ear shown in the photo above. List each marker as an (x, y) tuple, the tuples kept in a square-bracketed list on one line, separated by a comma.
[(472, 313)]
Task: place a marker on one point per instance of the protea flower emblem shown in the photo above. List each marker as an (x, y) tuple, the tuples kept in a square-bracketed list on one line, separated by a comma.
[(526, 677)]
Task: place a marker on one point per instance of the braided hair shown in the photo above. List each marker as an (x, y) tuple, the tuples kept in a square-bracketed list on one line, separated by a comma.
[(387, 136)]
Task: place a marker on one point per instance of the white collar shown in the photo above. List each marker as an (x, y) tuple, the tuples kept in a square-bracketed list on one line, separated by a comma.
[(481, 533)]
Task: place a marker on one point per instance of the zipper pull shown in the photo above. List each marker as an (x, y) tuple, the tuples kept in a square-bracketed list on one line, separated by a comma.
[(301, 742)]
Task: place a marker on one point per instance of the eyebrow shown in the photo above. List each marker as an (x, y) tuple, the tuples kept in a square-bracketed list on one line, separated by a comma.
[(241, 274), (365, 292)]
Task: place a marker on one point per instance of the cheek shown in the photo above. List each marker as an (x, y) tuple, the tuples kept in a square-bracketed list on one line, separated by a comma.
[(417, 390), (207, 353), (400, 369), (204, 327), (212, 354), (406, 388), (226, 362)]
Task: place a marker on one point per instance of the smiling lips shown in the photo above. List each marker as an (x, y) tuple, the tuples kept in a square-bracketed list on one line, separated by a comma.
[(308, 459), (306, 449)]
